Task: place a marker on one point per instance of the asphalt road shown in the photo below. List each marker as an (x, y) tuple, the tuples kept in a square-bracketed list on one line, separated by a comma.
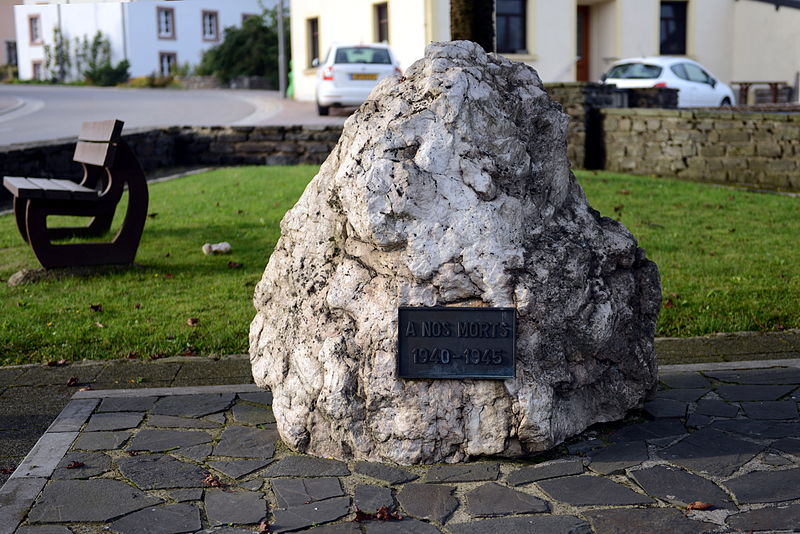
[(39, 112)]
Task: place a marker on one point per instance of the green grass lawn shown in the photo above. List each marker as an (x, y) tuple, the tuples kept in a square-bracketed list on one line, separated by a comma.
[(729, 261)]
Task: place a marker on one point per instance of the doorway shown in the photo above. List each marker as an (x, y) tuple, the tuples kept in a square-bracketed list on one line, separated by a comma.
[(582, 49)]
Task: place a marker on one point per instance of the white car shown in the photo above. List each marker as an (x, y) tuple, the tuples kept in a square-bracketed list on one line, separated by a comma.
[(350, 71), (696, 87)]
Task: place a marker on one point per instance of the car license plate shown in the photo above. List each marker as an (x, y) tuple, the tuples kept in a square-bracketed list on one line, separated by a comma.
[(363, 76)]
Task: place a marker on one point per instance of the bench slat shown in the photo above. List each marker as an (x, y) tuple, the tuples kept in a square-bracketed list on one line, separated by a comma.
[(101, 131), (100, 154), (47, 188), (22, 187)]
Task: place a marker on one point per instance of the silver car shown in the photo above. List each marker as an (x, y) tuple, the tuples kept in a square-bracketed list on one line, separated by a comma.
[(350, 71)]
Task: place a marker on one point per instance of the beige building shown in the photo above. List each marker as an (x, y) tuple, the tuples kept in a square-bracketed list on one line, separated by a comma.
[(8, 35), (568, 40)]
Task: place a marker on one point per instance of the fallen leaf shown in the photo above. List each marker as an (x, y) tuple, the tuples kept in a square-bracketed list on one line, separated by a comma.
[(192, 321), (85, 388), (233, 265), (167, 255), (59, 363), (169, 275), (6, 470), (698, 505), (134, 452), (100, 325), (132, 356), (624, 192), (156, 356), (75, 465), (73, 381), (96, 307), (263, 527), (382, 514), (239, 212), (212, 481), (137, 306), (190, 351)]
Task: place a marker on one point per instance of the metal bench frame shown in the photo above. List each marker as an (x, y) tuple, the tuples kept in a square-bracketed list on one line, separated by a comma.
[(109, 168)]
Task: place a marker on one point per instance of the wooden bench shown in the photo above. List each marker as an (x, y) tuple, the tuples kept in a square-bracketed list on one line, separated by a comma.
[(109, 168)]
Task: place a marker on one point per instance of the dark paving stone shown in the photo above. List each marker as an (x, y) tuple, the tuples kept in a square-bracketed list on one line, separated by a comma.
[(198, 452), (126, 404), (167, 519), (65, 501), (428, 501), (185, 495), (618, 457), (406, 526), (94, 463), (790, 445), (113, 421), (685, 395), (158, 471), (296, 491), (255, 484), (582, 447), (585, 490), (238, 468), (664, 408), (15, 498), (711, 451), (463, 473), (9, 375), (260, 397), (770, 409), (193, 405), (339, 528), (218, 418), (100, 441), (239, 507), (758, 429), (43, 529), (246, 442), (307, 515), (684, 380), (772, 518), (164, 440), (226, 530), (753, 393), (252, 415), (697, 421), (554, 524), (772, 376), (126, 373), (171, 421), (766, 486), (545, 471), (370, 499), (775, 459), (58, 376), (307, 466), (492, 499), (639, 520), (651, 430), (676, 486), (387, 473), (224, 368), (716, 408)]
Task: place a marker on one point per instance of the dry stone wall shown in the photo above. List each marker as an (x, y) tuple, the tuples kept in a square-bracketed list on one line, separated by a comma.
[(756, 150)]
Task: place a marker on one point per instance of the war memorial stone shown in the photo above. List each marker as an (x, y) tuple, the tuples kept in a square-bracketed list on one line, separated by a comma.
[(442, 290)]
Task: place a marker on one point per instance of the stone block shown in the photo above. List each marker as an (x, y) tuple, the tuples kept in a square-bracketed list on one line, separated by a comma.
[(769, 149)]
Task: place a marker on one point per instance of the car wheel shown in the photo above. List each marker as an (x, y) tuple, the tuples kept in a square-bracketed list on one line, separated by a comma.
[(726, 102), (323, 110)]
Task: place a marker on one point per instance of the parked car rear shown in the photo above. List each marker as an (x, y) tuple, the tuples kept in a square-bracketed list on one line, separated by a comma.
[(696, 87), (349, 72)]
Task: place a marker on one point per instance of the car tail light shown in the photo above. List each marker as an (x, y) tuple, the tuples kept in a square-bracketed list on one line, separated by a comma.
[(660, 84), (327, 74)]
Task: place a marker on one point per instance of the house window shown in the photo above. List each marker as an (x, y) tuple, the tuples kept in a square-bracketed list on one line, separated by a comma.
[(37, 70), (11, 52), (35, 29), (313, 40), (510, 26), (673, 28), (382, 23), (210, 26), (166, 23), (167, 62)]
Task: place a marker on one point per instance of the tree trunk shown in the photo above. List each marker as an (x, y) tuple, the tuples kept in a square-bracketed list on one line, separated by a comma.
[(473, 20)]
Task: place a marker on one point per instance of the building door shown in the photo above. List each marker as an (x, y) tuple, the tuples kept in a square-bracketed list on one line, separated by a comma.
[(582, 62)]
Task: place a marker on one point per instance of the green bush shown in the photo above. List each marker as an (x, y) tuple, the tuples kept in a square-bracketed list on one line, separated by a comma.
[(107, 75)]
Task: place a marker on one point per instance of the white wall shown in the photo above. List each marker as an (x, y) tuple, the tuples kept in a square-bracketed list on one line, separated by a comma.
[(711, 35), (554, 40), (767, 43), (638, 28), (602, 38)]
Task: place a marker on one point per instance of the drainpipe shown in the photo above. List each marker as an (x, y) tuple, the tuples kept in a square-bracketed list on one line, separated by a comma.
[(124, 30), (281, 52)]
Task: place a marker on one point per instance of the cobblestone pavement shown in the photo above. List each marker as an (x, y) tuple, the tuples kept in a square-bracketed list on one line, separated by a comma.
[(168, 456)]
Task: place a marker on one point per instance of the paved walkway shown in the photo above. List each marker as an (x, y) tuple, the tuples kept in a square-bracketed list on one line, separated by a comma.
[(154, 447)]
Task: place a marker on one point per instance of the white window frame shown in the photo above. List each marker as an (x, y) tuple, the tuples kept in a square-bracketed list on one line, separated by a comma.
[(210, 22), (171, 64), (165, 22)]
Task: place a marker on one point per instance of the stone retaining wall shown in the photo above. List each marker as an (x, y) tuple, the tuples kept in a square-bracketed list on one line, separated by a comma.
[(758, 150)]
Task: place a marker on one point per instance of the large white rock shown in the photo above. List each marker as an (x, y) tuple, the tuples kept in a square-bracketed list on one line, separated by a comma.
[(451, 187)]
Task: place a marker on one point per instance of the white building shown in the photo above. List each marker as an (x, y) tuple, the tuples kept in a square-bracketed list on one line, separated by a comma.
[(569, 40), (154, 36)]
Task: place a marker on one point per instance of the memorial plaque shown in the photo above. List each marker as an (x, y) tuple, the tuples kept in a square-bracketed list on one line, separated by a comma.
[(456, 342)]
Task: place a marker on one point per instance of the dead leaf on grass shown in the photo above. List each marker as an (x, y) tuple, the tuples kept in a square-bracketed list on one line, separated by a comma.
[(192, 321), (100, 325), (624, 192), (73, 381), (57, 363), (96, 307), (233, 265), (85, 388)]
